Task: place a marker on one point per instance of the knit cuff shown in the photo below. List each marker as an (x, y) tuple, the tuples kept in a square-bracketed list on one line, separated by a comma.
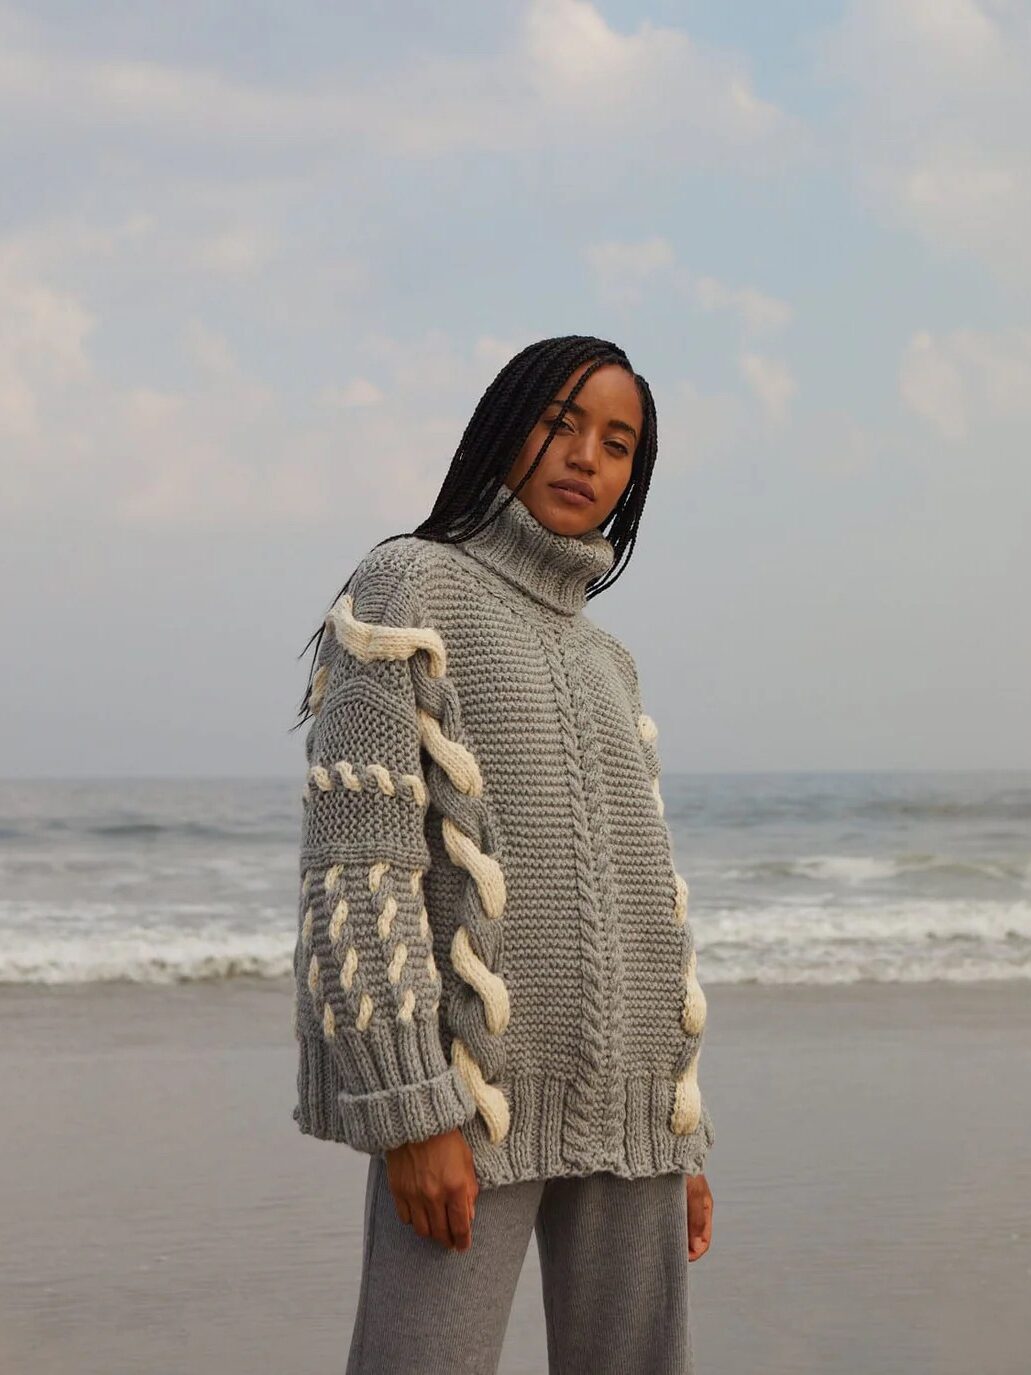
[(388, 1118), (400, 1085)]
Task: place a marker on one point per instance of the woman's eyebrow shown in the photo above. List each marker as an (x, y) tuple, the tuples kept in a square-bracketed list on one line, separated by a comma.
[(577, 409)]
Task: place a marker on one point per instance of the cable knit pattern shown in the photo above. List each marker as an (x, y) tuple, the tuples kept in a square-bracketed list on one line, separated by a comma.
[(492, 934)]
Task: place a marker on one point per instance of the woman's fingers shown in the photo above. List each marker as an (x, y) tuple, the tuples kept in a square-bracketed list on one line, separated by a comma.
[(439, 1228), (460, 1220), (699, 1215), (420, 1217)]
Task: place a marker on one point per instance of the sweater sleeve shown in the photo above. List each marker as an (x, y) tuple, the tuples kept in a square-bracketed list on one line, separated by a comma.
[(364, 955)]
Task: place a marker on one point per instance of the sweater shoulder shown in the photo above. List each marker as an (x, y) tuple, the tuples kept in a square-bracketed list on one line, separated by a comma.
[(391, 581)]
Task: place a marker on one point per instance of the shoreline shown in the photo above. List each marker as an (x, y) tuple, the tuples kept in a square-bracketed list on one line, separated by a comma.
[(871, 1171)]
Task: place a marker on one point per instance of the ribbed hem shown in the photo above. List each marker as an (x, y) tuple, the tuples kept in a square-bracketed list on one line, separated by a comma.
[(542, 1142)]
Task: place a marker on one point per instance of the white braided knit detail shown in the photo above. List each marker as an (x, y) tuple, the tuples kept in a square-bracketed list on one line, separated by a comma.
[(687, 1100), (336, 922), (646, 728), (457, 762), (346, 771), (490, 988), (367, 640), (649, 733), (692, 1018), (486, 871), (385, 920), (680, 902), (376, 872), (318, 687), (319, 775), (348, 965), (344, 774), (490, 1101), (397, 962)]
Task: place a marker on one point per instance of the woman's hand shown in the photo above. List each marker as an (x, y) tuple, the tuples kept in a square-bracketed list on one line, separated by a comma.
[(435, 1187), (699, 1216)]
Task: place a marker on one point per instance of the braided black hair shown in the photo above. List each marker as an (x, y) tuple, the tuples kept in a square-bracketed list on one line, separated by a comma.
[(493, 438)]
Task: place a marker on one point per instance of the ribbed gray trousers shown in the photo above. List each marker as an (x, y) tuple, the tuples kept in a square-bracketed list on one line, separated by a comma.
[(614, 1270)]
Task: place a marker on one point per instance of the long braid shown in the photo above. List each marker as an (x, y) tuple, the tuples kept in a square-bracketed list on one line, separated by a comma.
[(497, 430)]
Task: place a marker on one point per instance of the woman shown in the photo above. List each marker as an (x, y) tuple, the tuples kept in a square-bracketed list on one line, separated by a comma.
[(496, 990)]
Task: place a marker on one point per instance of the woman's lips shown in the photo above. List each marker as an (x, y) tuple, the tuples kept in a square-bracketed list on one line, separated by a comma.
[(574, 498)]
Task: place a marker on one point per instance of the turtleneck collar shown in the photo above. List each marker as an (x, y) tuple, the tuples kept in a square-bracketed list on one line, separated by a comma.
[(555, 569)]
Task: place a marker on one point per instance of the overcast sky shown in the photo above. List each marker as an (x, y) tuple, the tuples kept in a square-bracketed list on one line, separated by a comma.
[(259, 262)]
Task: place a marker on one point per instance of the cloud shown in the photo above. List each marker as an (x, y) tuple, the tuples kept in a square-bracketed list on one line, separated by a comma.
[(229, 450), (697, 427), (566, 73), (212, 352), (941, 134), (758, 312), (656, 78), (235, 252), (967, 379), (771, 381), (623, 274), (44, 333), (359, 391), (621, 270), (69, 238), (146, 380), (830, 442)]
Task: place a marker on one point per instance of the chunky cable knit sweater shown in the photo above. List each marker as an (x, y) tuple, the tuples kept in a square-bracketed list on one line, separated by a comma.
[(492, 934)]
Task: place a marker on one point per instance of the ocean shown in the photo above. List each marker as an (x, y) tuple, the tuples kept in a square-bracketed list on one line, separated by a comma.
[(794, 878)]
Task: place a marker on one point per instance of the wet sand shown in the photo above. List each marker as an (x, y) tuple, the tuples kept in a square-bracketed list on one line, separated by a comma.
[(162, 1215)]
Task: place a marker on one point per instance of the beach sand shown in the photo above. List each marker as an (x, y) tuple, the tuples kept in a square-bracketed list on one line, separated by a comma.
[(162, 1215)]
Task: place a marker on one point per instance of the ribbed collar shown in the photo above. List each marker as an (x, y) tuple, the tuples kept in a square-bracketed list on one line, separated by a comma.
[(555, 569)]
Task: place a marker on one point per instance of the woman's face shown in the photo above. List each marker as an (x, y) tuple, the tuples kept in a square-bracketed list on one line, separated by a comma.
[(593, 446)]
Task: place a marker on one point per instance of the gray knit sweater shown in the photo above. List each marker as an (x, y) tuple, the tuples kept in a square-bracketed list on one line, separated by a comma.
[(492, 934)]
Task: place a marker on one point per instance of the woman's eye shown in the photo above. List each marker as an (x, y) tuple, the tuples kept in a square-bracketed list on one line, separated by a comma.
[(621, 449)]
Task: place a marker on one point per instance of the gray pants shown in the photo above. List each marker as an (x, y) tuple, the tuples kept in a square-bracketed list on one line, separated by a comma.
[(614, 1269)]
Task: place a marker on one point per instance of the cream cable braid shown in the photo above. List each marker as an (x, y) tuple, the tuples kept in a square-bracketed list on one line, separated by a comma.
[(687, 1103)]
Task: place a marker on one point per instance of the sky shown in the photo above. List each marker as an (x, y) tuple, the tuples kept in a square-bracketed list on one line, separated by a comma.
[(259, 263)]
